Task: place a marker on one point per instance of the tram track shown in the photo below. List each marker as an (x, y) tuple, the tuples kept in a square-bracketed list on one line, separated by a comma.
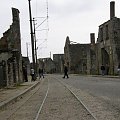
[(37, 116), (85, 113), (78, 99), (25, 105), (51, 100)]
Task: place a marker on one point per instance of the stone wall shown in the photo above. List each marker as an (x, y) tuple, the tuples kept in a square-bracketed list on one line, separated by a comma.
[(58, 59), (10, 51), (109, 44), (88, 58), (77, 57), (47, 64)]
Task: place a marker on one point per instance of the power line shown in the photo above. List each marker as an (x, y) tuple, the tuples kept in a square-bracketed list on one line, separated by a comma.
[(43, 25)]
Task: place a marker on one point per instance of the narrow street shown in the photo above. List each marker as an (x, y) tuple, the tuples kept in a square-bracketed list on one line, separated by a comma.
[(50, 100), (75, 98), (99, 94)]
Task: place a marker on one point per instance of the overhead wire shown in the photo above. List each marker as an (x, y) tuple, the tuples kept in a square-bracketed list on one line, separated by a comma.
[(44, 21)]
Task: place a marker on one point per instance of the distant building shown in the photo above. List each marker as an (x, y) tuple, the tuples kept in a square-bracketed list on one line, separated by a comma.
[(58, 59), (47, 64), (79, 57)]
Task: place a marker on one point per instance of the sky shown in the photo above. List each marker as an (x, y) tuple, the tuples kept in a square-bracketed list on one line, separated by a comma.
[(73, 18)]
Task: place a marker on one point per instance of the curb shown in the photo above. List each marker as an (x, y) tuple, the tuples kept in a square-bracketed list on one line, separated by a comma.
[(14, 98), (104, 76)]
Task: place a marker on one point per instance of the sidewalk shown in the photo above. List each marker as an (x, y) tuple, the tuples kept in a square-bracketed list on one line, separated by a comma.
[(104, 76), (8, 95)]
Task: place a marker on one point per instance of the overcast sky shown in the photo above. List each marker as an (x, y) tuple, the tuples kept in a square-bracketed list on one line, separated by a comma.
[(73, 18)]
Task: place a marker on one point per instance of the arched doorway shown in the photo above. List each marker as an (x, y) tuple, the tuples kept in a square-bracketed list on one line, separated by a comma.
[(105, 60), (105, 57)]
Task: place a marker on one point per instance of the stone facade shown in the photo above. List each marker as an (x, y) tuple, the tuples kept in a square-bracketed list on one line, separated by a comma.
[(88, 58), (108, 42), (10, 53), (26, 63), (58, 59), (79, 57), (47, 64)]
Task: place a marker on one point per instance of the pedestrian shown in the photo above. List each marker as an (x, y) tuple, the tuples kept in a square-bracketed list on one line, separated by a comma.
[(32, 74), (118, 69), (41, 73), (65, 71), (103, 69)]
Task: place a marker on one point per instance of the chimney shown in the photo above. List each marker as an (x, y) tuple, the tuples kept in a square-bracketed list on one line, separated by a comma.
[(92, 38), (112, 9)]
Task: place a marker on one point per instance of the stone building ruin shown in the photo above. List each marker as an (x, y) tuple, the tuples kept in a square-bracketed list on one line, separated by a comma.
[(80, 58), (58, 60), (108, 42), (47, 64), (10, 53), (88, 58)]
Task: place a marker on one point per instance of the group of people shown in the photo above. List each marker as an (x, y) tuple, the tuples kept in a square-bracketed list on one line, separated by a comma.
[(105, 69), (32, 73)]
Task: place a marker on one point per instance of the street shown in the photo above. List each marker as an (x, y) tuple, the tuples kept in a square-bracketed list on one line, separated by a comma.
[(74, 98), (100, 94)]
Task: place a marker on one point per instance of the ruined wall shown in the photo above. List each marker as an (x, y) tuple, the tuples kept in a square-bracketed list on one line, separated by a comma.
[(93, 55), (116, 41), (77, 57), (58, 59), (26, 63), (11, 43), (109, 44), (47, 64), (93, 60), (11, 39)]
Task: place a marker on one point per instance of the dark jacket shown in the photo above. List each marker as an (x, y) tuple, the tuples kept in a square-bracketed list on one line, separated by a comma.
[(65, 69), (102, 67)]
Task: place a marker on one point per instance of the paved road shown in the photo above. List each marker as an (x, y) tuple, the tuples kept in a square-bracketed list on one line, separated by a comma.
[(99, 94), (104, 90), (49, 100), (98, 86)]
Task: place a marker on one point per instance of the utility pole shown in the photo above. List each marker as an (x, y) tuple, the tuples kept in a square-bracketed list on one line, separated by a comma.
[(50, 54), (35, 46), (27, 48), (32, 39)]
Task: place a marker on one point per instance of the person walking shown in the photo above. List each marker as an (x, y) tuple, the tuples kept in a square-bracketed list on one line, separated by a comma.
[(41, 73), (32, 74), (65, 71), (103, 69), (118, 69)]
